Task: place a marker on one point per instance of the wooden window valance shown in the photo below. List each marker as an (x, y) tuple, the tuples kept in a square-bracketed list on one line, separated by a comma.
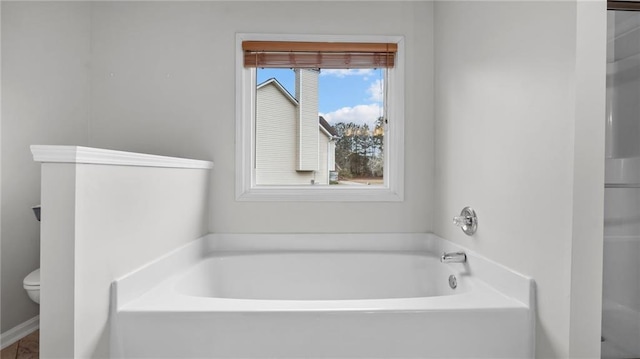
[(325, 55), (622, 5)]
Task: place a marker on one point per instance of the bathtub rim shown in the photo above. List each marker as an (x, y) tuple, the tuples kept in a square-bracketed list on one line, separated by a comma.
[(164, 298), (505, 280)]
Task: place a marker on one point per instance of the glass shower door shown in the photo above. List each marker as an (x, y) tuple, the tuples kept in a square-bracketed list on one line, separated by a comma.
[(621, 282)]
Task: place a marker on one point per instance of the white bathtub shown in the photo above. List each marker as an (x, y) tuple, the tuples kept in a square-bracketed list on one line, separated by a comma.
[(318, 276), (321, 296)]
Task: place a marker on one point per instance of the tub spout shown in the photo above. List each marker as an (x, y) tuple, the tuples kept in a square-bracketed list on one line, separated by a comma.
[(453, 257)]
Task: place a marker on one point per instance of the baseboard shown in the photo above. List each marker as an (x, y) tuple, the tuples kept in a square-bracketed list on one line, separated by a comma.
[(19, 331)]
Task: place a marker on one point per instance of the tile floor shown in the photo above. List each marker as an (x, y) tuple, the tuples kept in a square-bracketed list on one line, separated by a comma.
[(25, 348)]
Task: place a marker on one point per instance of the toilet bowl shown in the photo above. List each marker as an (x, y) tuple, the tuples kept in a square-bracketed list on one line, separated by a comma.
[(31, 284)]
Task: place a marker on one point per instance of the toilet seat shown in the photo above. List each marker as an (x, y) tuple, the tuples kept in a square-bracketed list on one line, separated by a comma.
[(31, 284), (32, 280)]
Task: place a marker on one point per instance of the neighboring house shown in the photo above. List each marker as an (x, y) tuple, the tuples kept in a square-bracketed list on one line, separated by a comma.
[(293, 144)]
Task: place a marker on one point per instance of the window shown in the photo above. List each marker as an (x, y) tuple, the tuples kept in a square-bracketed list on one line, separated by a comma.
[(290, 147)]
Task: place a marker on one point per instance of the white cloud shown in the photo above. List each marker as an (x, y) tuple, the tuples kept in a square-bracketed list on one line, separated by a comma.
[(359, 114), (376, 91), (346, 72)]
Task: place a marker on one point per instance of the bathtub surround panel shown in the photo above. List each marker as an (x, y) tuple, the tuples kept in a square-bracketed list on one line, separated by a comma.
[(519, 87), (213, 317), (100, 222), (327, 335)]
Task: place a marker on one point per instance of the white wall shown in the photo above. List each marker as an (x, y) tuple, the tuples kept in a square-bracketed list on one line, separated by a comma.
[(519, 137), (173, 84), (45, 99), (99, 223)]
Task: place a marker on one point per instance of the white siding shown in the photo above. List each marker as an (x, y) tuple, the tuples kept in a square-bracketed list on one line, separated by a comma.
[(291, 148), (322, 176), (276, 139), (307, 95)]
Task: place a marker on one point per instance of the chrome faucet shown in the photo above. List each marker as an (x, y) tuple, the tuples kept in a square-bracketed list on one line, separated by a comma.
[(453, 257)]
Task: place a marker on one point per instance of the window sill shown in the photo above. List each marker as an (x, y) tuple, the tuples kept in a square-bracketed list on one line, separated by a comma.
[(320, 193)]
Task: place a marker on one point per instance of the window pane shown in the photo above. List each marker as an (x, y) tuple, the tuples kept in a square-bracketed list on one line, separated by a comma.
[(319, 127)]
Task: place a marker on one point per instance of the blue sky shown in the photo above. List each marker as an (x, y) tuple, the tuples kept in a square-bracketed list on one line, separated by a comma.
[(344, 95)]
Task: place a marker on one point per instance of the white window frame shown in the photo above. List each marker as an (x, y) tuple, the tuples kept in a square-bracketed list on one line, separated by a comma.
[(246, 188)]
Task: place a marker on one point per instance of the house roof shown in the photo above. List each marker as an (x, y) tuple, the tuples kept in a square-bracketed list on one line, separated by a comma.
[(327, 127), (279, 86)]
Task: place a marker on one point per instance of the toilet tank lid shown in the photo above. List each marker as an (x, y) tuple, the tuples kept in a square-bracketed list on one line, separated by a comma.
[(33, 278)]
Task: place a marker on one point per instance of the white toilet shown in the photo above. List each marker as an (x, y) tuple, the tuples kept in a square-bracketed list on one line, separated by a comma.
[(31, 284)]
